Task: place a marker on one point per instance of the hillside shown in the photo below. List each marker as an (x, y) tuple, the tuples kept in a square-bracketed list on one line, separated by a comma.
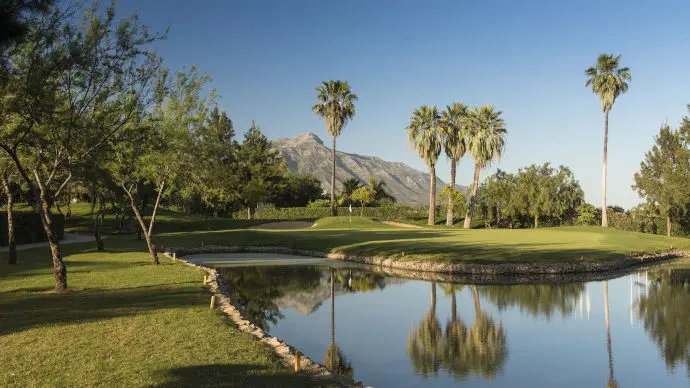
[(307, 154)]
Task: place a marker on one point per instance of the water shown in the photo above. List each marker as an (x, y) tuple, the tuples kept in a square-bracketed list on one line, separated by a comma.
[(633, 331)]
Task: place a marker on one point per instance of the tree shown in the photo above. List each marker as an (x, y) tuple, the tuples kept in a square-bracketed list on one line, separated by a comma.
[(364, 196), (663, 176), (608, 80), (485, 138), (350, 185), (586, 214), (333, 358), (15, 18), (70, 87), (336, 105), (260, 168), (425, 343), (453, 119), (424, 134), (7, 174), (379, 188), (453, 197), (298, 190)]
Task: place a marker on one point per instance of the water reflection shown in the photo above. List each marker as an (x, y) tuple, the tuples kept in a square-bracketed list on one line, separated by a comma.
[(665, 314), (436, 334)]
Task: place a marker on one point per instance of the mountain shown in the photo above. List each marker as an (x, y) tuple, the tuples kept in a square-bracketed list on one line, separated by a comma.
[(307, 154)]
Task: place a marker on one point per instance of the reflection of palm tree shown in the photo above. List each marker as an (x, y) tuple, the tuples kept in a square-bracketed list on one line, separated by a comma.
[(486, 345), (425, 344), (611, 383), (454, 360), (334, 359)]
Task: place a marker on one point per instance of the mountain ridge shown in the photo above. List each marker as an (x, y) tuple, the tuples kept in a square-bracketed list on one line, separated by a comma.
[(308, 154)]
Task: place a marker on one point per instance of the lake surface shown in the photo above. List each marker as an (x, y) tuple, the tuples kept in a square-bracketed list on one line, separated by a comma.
[(633, 331)]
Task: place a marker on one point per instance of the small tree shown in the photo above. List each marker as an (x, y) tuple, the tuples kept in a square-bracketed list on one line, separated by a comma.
[(454, 198), (364, 196), (586, 214)]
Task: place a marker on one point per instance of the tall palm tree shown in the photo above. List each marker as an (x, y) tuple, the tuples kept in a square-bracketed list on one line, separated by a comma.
[(608, 80), (425, 343), (336, 105), (485, 141), (333, 358), (611, 383), (453, 118), (424, 134)]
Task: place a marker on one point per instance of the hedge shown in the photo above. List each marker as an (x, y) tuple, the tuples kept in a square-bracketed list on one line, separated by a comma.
[(28, 227), (398, 212)]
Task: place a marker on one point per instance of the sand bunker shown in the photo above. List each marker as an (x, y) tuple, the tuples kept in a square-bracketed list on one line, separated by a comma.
[(284, 225)]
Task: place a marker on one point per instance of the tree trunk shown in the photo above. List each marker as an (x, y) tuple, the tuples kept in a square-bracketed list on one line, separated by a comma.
[(668, 224), (332, 307), (453, 307), (98, 222), (155, 207), (477, 305), (433, 297), (59, 269), (432, 195), (536, 221), (11, 243), (608, 329), (449, 214), (249, 212), (333, 208), (604, 217), (361, 213), (151, 247), (473, 197)]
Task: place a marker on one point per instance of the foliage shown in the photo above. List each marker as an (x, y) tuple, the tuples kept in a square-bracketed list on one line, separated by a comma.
[(586, 214), (28, 227), (298, 190), (379, 189), (317, 203), (608, 79), (394, 212), (454, 198), (350, 185), (425, 135), (364, 196), (535, 192)]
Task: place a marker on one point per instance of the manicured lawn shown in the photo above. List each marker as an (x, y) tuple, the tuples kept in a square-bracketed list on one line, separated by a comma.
[(367, 237), (125, 323)]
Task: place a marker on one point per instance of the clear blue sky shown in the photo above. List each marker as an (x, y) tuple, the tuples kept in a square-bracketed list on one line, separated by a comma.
[(527, 58)]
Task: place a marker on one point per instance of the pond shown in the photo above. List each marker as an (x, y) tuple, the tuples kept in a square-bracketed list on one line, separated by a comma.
[(632, 331)]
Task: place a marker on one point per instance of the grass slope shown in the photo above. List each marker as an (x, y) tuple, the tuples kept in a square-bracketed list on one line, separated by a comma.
[(366, 237), (126, 323)]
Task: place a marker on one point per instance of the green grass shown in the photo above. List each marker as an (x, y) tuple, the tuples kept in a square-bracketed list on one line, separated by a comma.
[(125, 323), (367, 237)]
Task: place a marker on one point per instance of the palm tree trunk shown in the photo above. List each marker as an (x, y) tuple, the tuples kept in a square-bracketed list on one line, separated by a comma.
[(11, 243), (449, 214), (453, 307), (668, 224), (473, 197), (332, 307), (536, 221), (433, 297), (477, 305), (604, 218), (432, 195), (608, 329), (333, 211)]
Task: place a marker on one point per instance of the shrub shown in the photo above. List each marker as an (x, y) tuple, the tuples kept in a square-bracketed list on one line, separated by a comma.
[(28, 227), (319, 203), (397, 212)]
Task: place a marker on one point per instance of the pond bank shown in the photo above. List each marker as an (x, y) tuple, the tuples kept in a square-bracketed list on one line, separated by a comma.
[(285, 353)]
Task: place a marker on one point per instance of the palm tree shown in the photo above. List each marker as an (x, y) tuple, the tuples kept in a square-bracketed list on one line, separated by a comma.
[(453, 119), (608, 80), (424, 134), (425, 343), (333, 358), (379, 188), (611, 383), (350, 185), (336, 105), (485, 141)]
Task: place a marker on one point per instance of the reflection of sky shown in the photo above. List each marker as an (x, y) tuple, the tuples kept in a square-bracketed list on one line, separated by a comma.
[(372, 328)]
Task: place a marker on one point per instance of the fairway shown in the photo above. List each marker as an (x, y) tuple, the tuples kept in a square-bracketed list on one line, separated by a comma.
[(370, 238)]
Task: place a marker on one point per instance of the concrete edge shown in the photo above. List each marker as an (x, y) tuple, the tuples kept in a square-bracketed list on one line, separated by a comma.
[(285, 353)]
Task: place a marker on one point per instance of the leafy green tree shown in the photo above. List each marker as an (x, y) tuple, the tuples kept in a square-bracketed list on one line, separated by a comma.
[(454, 118), (663, 176), (364, 196), (608, 80), (70, 87), (15, 18), (425, 135), (336, 105), (485, 140), (298, 190), (453, 197), (260, 169), (586, 214)]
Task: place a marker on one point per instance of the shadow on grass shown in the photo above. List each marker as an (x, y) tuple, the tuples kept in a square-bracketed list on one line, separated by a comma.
[(23, 309), (224, 375)]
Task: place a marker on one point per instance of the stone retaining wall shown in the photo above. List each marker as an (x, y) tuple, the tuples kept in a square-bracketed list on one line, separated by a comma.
[(285, 353)]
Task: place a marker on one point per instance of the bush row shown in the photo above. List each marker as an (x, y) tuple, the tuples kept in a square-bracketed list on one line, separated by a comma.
[(28, 227), (398, 212)]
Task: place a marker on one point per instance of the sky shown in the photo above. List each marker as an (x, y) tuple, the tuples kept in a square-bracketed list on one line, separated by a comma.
[(527, 58)]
